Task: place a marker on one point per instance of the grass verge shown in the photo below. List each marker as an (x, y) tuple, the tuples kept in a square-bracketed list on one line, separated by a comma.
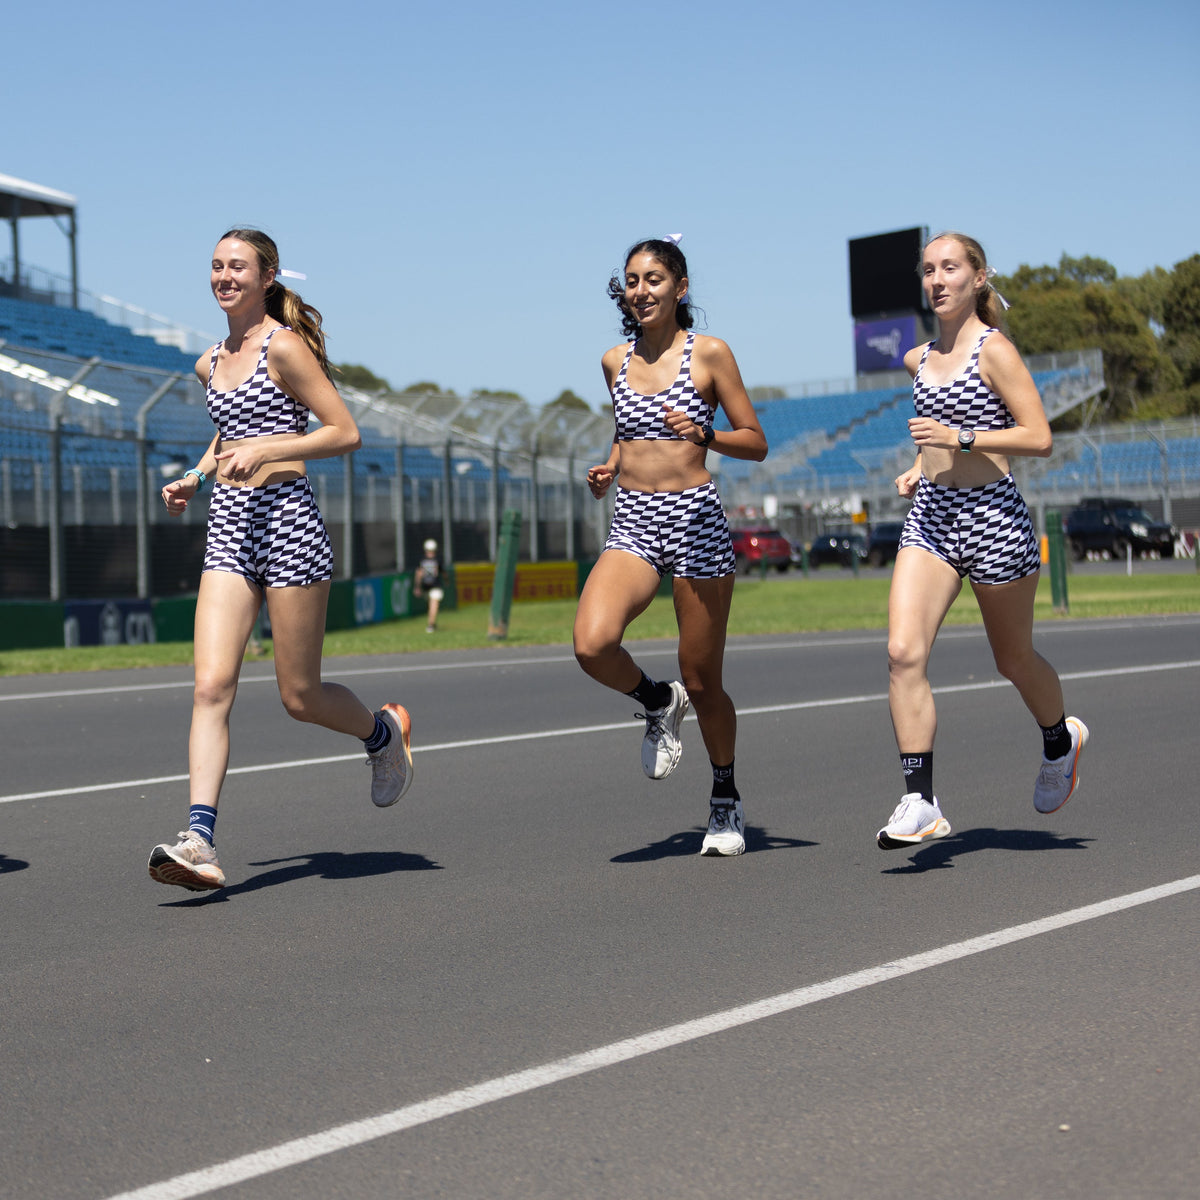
[(760, 606)]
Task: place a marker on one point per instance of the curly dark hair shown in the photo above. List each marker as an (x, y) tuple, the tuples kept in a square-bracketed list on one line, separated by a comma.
[(673, 260)]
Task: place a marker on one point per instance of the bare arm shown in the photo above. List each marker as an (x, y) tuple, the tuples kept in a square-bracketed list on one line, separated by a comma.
[(1001, 368), (296, 371), (715, 372)]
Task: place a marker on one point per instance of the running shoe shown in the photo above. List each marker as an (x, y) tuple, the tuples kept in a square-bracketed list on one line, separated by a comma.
[(726, 830), (392, 767), (1059, 777), (191, 863), (661, 747), (914, 820)]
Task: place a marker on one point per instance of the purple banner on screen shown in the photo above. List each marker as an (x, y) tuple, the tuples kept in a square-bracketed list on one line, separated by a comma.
[(882, 345)]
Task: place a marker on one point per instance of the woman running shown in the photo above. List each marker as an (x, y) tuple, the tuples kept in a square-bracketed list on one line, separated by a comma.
[(666, 385), (265, 538), (976, 405)]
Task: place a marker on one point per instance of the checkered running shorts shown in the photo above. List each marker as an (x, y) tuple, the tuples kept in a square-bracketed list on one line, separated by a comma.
[(272, 535), (982, 532), (682, 532)]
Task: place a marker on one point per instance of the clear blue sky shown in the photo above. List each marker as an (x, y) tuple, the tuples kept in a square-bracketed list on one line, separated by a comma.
[(459, 180)]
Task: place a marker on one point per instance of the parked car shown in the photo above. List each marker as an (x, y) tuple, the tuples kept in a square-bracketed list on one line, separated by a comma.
[(1109, 527), (883, 542), (753, 547), (840, 546)]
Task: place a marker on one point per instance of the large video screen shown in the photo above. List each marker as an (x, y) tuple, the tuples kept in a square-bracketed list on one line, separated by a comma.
[(884, 275)]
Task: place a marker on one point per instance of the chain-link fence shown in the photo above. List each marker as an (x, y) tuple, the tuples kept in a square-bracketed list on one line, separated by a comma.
[(85, 447)]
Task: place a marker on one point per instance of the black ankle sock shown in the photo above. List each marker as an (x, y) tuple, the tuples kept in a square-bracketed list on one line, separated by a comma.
[(723, 787), (379, 738), (918, 774), (1056, 738), (650, 694)]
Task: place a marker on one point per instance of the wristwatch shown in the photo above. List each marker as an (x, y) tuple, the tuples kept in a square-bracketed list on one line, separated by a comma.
[(966, 440), (707, 434)]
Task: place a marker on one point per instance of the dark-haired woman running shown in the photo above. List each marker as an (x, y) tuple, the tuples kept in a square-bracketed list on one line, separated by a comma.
[(667, 384)]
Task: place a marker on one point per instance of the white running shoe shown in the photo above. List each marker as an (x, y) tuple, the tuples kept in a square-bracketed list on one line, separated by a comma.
[(191, 863), (914, 820), (726, 830), (392, 767), (1059, 777), (661, 747)]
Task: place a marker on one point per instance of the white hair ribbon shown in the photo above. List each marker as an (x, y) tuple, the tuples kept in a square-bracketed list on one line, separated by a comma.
[(1003, 303), (673, 238), (283, 274)]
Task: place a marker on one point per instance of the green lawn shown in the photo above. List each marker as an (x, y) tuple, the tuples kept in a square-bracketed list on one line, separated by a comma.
[(791, 605)]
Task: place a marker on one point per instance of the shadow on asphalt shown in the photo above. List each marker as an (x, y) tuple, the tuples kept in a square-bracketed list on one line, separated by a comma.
[(941, 854), (325, 864), (678, 845), (11, 864)]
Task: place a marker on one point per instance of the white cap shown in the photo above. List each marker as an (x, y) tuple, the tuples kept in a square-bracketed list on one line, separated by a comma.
[(430, 544)]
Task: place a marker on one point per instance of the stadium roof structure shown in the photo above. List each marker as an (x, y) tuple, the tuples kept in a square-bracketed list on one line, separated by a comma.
[(20, 200)]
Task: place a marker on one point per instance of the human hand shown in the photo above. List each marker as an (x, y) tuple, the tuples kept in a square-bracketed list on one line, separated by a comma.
[(177, 494), (599, 479), (925, 431), (906, 484), (240, 463)]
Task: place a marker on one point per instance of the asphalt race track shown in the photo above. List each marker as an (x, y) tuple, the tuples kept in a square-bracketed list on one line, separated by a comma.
[(523, 982)]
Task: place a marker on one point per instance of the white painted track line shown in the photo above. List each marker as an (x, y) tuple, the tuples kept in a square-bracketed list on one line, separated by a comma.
[(356, 1133), (537, 735)]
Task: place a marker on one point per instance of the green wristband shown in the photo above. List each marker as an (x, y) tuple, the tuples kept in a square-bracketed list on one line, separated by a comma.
[(201, 478)]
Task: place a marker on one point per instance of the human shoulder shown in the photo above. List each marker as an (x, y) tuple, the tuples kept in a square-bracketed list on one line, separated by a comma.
[(616, 354), (711, 351), (204, 363), (997, 352), (285, 345), (912, 360)]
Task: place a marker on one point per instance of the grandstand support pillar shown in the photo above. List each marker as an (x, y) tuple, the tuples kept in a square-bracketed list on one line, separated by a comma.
[(448, 502), (56, 506), (13, 221), (142, 516), (399, 509), (494, 504), (535, 508), (348, 517), (72, 229)]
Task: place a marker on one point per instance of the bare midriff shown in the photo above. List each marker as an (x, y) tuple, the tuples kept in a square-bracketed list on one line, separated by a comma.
[(666, 466), (272, 472)]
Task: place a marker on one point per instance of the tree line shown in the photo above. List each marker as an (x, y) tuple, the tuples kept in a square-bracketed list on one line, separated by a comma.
[(1147, 327)]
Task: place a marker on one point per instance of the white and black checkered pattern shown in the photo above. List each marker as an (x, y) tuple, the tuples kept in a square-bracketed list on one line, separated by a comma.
[(963, 403), (685, 533), (640, 418), (256, 407), (982, 532), (272, 535)]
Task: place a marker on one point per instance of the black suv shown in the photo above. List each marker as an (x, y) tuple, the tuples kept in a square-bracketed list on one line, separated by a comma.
[(883, 542), (1108, 527)]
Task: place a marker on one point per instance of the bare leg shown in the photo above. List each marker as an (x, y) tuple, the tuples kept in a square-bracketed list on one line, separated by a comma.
[(923, 588), (702, 610), (226, 608), (619, 588), (298, 631), (1007, 610)]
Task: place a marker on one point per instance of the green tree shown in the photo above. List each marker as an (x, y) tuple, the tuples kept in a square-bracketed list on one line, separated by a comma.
[(357, 376), (1181, 331), (568, 399), (1082, 303)]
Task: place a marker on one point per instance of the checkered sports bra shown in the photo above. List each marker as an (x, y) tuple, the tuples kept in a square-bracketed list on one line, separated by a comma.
[(966, 402), (640, 418), (256, 407)]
